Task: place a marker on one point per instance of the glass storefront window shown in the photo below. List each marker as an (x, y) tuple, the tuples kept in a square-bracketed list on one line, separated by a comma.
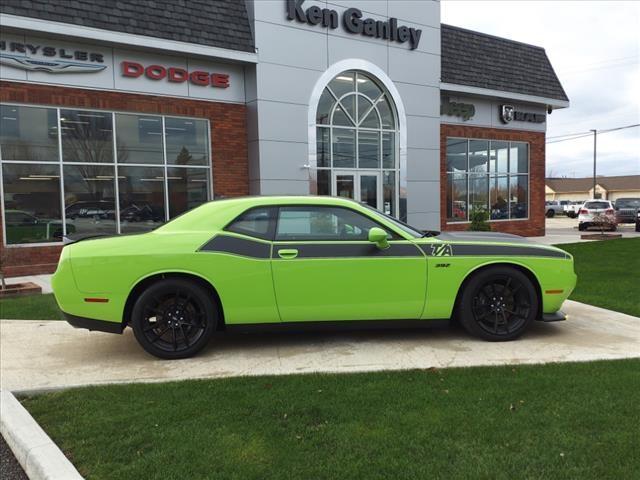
[(492, 175), (86, 136), (32, 210), (89, 200), (519, 196), (187, 141), (499, 157), (29, 133), (160, 172), (499, 197), (141, 198), (478, 156), (457, 154), (456, 197), (188, 188), (323, 150), (139, 139)]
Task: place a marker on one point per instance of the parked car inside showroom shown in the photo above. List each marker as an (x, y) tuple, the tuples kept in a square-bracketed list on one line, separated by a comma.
[(313, 261), (626, 209), (597, 213)]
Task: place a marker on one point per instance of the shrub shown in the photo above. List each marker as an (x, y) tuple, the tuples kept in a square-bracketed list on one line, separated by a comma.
[(479, 223)]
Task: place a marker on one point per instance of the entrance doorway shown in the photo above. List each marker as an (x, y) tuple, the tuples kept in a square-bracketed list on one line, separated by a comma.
[(362, 186)]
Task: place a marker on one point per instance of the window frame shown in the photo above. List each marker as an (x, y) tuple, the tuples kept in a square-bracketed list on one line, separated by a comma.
[(489, 174), (271, 231), (329, 128), (60, 163), (394, 235)]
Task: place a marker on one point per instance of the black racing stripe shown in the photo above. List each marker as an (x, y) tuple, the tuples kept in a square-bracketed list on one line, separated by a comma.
[(237, 246), (470, 250), (344, 250)]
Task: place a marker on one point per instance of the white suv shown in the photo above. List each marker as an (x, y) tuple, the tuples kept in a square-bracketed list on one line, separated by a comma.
[(596, 212)]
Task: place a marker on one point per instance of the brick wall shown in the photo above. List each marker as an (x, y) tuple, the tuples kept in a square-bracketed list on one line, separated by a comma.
[(535, 225), (228, 147)]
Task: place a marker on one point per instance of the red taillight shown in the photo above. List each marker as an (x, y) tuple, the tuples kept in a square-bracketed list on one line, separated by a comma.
[(96, 300), (609, 211), (584, 212)]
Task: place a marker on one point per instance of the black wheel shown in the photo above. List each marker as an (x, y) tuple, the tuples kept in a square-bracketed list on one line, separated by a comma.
[(550, 213), (498, 304), (582, 227), (174, 318), (637, 227)]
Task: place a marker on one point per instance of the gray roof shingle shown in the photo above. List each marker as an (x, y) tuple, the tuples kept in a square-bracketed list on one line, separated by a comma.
[(218, 23), (479, 60)]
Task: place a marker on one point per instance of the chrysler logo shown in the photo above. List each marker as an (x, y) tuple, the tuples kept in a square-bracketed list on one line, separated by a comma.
[(50, 66), (506, 113)]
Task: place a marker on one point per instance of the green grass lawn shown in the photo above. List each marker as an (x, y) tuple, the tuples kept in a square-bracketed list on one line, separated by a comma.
[(608, 274), (31, 307), (574, 420)]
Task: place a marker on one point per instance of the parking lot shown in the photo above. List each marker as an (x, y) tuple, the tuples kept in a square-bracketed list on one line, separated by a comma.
[(563, 229)]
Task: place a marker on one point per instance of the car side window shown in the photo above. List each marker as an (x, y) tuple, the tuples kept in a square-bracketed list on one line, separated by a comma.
[(308, 223), (256, 222)]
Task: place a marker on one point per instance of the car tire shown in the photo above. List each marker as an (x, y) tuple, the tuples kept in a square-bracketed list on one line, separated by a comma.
[(174, 318), (550, 213), (637, 227), (582, 227), (498, 304)]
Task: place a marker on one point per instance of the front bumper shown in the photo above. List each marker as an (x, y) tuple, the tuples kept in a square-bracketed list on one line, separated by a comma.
[(93, 324)]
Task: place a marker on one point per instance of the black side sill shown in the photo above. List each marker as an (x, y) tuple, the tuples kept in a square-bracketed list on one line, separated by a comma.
[(92, 324), (553, 317)]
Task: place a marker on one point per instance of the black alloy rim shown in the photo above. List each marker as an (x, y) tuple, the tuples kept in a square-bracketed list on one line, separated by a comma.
[(501, 305), (174, 322)]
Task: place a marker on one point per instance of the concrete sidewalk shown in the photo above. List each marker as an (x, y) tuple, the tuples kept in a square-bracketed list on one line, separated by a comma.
[(51, 354)]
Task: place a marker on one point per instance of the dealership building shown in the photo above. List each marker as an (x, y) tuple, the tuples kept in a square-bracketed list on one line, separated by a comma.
[(116, 117)]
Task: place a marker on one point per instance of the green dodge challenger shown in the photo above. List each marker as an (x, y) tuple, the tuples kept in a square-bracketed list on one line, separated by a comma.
[(303, 260)]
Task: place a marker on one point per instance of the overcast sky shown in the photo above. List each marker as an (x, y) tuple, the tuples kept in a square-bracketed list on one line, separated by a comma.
[(594, 47)]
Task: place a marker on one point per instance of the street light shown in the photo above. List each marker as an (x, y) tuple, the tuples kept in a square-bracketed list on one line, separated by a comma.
[(595, 134)]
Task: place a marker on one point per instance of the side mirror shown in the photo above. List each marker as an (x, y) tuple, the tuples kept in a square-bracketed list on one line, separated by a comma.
[(379, 237)]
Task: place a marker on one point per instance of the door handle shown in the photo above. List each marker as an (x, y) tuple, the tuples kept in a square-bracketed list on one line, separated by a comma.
[(288, 253)]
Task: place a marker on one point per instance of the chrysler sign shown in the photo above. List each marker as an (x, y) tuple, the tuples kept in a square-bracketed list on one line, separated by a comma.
[(51, 59), (354, 23)]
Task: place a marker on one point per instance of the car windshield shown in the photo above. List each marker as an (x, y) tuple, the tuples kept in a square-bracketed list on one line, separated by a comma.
[(414, 232), (596, 205), (628, 203)]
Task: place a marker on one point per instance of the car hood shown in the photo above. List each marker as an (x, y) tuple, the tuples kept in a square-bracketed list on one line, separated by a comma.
[(489, 237)]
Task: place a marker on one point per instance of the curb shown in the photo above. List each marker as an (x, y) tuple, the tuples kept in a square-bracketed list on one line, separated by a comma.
[(40, 458)]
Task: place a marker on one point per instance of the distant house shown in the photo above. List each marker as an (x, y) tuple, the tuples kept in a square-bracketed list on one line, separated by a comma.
[(609, 188)]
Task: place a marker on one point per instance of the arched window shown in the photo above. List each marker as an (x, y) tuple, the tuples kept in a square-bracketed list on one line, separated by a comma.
[(357, 142)]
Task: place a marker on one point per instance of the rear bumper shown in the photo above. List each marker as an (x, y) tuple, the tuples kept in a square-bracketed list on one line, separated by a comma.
[(92, 324), (553, 317)]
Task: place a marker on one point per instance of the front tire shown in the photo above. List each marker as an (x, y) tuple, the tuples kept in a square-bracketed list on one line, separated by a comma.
[(498, 304), (174, 318), (550, 213)]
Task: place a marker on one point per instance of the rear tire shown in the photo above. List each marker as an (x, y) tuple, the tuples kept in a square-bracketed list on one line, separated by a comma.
[(498, 304), (174, 318)]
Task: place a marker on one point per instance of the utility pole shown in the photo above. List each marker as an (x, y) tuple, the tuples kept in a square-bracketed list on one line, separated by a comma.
[(595, 134)]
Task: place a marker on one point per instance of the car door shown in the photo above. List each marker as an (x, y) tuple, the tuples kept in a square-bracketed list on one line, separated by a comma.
[(324, 268)]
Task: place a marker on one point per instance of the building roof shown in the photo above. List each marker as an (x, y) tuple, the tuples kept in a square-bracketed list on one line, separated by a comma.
[(479, 60), (611, 184), (223, 23)]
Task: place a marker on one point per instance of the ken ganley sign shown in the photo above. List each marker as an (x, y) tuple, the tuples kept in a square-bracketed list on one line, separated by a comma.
[(353, 23)]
